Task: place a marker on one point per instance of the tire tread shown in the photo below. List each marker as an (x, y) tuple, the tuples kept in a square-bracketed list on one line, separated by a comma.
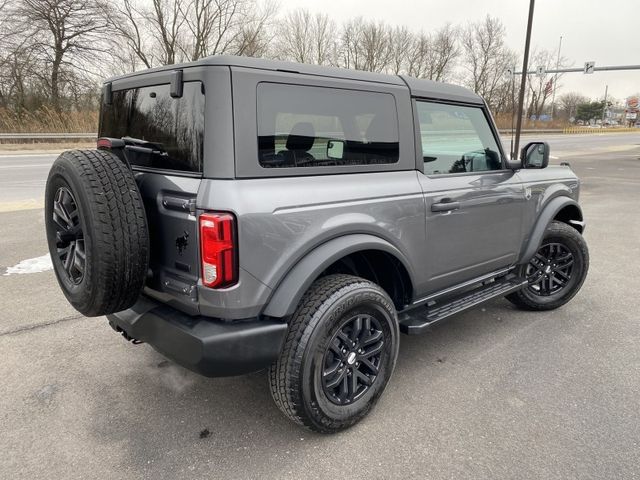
[(120, 234), (285, 374)]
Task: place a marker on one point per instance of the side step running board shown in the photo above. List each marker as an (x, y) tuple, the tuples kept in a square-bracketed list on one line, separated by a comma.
[(417, 320)]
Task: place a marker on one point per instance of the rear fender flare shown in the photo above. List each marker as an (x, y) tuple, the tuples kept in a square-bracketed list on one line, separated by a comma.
[(544, 219), (297, 281)]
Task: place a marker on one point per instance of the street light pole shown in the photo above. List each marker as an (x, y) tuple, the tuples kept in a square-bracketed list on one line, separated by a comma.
[(523, 81), (555, 83)]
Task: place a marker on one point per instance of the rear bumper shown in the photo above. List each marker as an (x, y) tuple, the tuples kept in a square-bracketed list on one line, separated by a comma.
[(211, 347)]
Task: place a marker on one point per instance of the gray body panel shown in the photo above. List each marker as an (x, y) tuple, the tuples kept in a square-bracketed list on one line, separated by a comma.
[(293, 222)]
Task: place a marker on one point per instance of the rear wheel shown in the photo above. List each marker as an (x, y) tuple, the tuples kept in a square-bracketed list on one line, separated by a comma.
[(339, 354), (556, 272), (96, 230)]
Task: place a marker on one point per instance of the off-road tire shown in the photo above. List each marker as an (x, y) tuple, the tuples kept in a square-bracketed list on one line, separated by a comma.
[(561, 233), (296, 377), (114, 229)]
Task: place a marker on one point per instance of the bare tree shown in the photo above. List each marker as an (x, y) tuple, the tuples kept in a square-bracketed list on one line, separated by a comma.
[(444, 53), (434, 56), (295, 41), (569, 103), (306, 38), (365, 45), (324, 30), (487, 59), (400, 43), (167, 24), (417, 55), (66, 35), (254, 38), (128, 23), (184, 30), (376, 46)]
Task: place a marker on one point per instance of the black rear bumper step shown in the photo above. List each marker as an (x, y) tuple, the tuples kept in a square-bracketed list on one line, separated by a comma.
[(416, 321)]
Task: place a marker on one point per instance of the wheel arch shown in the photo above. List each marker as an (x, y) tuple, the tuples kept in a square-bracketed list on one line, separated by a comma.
[(343, 255), (560, 208)]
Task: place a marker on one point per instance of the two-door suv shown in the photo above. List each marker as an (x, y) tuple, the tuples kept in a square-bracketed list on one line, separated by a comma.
[(241, 214)]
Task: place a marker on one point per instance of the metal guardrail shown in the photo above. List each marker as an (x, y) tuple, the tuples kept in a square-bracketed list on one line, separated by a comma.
[(527, 131), (47, 136), (599, 130)]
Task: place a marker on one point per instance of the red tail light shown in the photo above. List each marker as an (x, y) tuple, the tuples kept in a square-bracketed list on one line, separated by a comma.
[(218, 249), (104, 143)]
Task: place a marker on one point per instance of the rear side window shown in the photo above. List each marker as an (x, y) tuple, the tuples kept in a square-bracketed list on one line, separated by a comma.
[(300, 126), (173, 126)]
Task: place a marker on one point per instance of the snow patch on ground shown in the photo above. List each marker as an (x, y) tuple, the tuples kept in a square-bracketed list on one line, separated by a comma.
[(31, 265)]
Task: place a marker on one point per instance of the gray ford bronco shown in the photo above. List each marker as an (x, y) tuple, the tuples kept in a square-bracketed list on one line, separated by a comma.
[(242, 214)]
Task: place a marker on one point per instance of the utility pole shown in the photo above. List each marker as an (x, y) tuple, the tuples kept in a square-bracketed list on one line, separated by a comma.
[(555, 83), (604, 107), (523, 81)]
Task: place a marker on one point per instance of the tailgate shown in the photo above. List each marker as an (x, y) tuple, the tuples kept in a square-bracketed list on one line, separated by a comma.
[(174, 260)]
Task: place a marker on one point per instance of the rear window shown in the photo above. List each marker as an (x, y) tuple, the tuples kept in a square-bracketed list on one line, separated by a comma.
[(174, 126), (300, 126)]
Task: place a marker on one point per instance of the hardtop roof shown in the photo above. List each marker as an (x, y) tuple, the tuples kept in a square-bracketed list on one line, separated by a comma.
[(417, 87)]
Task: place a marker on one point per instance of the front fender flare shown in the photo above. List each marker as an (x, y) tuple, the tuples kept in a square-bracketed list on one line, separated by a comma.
[(547, 215), (289, 291)]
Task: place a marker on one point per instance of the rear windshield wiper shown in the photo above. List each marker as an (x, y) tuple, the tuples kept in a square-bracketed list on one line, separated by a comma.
[(143, 146)]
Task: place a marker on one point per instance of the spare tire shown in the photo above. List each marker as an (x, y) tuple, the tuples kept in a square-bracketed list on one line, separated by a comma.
[(96, 230)]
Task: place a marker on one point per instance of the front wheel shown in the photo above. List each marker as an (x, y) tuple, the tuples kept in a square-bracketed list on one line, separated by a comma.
[(556, 272), (338, 356)]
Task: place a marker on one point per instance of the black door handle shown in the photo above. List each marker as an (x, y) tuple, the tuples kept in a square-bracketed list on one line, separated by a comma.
[(445, 206)]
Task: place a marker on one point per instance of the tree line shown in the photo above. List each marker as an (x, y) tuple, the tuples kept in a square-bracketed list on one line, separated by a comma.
[(53, 53)]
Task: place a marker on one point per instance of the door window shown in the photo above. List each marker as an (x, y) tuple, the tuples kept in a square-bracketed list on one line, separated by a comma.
[(456, 139)]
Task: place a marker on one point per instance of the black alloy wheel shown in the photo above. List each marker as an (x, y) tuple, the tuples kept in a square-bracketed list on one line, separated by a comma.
[(70, 248), (352, 359), (549, 271), (339, 353), (556, 272)]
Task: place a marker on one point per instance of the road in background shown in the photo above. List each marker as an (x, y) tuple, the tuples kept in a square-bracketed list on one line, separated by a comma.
[(22, 179), (492, 393), (22, 176)]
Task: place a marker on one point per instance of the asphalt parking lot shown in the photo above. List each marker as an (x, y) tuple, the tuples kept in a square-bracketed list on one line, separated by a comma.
[(492, 393)]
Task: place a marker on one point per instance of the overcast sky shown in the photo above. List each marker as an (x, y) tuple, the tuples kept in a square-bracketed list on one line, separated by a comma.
[(606, 32)]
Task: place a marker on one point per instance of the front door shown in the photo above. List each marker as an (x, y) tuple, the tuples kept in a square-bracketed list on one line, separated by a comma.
[(473, 204)]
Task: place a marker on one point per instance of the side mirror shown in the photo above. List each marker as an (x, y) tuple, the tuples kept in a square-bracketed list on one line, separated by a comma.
[(535, 155), (335, 149)]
